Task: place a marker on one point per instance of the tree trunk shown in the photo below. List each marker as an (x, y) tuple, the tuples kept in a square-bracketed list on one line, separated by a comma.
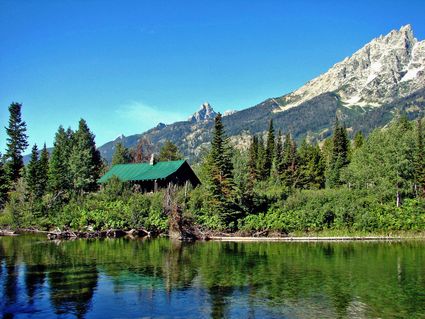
[(398, 199)]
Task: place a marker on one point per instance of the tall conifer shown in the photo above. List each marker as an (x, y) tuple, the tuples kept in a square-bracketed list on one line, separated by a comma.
[(339, 157), (16, 143), (43, 170), (169, 152), (220, 167), (278, 154), (419, 160), (261, 159), (85, 161), (270, 149), (31, 175), (121, 155), (59, 175)]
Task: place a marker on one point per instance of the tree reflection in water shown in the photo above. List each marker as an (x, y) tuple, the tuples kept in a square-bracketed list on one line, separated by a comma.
[(162, 278)]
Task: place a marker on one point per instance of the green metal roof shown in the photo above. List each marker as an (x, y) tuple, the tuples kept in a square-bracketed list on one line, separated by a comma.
[(142, 171)]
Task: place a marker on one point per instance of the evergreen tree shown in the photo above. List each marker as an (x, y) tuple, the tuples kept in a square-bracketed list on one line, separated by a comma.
[(16, 143), (220, 179), (288, 163), (252, 174), (261, 159), (270, 149), (59, 175), (31, 176), (311, 167), (36, 172), (3, 183), (419, 160), (278, 154), (358, 140), (121, 155), (169, 152), (43, 170), (339, 157), (252, 160), (85, 161)]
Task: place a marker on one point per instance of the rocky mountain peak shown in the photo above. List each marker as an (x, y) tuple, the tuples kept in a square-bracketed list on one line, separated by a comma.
[(205, 113), (388, 67)]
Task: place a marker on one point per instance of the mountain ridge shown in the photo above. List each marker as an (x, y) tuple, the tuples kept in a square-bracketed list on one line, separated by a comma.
[(366, 90)]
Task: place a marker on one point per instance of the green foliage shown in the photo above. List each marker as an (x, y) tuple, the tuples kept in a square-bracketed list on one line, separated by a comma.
[(384, 163), (342, 209), (340, 155), (4, 187), (220, 183), (270, 150), (358, 140), (43, 170), (31, 176), (85, 161), (169, 152), (101, 212), (36, 173), (419, 159), (122, 155), (16, 143), (59, 175), (311, 170), (288, 164)]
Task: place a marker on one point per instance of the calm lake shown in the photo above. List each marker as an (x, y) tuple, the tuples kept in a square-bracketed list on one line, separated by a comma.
[(120, 278)]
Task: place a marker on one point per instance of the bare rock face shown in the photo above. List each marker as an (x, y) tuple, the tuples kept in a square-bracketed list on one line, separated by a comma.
[(205, 113), (386, 68)]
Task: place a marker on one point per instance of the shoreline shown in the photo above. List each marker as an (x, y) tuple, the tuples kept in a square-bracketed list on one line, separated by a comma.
[(313, 238), (221, 237)]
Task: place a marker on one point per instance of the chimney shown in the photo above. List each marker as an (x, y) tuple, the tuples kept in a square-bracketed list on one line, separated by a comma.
[(153, 160)]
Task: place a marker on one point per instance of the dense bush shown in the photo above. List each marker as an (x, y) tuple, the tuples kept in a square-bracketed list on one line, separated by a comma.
[(342, 209)]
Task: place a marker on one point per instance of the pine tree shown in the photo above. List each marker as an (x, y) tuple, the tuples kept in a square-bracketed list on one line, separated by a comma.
[(278, 154), (169, 152), (31, 176), (270, 149), (261, 159), (121, 155), (252, 173), (311, 167), (4, 187), (220, 169), (358, 140), (59, 175), (419, 160), (289, 160), (252, 160), (16, 143), (339, 157), (85, 161), (36, 172), (43, 170)]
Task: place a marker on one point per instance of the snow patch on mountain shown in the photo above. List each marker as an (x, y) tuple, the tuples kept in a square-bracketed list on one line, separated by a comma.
[(387, 68)]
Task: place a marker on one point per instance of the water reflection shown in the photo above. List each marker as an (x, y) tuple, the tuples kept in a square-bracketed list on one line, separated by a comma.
[(72, 288), (161, 278)]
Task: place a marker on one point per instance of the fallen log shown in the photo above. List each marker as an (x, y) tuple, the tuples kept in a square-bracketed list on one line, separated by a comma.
[(7, 232)]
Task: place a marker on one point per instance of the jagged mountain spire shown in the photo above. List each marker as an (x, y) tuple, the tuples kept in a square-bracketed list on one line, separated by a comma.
[(206, 112), (388, 67)]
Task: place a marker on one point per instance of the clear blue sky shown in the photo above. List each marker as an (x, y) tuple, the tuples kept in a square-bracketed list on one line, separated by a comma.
[(124, 66)]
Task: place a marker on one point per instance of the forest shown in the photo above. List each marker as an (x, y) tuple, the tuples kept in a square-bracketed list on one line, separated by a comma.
[(372, 184)]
